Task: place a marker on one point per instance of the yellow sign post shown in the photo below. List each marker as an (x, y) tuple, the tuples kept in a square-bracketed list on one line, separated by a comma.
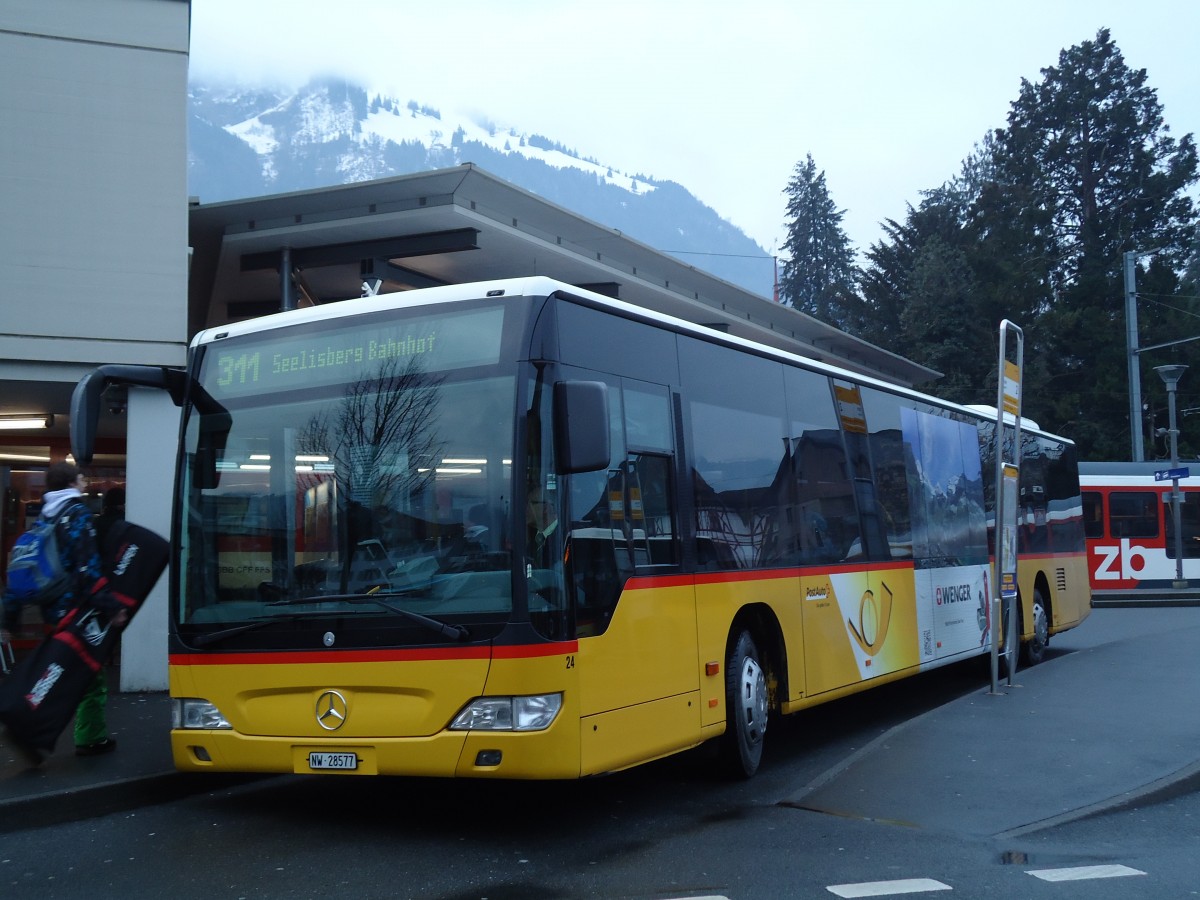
[(1008, 477)]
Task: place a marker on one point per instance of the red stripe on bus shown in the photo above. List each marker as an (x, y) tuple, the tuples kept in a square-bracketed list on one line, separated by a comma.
[(529, 651), (291, 657)]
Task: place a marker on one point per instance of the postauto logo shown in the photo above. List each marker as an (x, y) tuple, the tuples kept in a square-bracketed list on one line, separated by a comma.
[(874, 616)]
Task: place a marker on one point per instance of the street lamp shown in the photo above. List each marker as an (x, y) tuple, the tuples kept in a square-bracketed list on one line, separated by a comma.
[(1170, 376), (1133, 350)]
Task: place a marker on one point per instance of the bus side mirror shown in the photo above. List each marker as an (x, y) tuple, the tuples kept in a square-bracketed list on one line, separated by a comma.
[(580, 426), (85, 400), (214, 431)]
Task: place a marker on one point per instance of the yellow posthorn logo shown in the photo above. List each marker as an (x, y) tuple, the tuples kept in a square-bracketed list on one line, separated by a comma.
[(873, 619)]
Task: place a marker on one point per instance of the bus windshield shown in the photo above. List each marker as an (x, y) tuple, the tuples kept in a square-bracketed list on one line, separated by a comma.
[(356, 479)]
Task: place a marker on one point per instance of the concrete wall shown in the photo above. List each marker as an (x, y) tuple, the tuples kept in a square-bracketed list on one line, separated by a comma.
[(153, 445), (93, 180)]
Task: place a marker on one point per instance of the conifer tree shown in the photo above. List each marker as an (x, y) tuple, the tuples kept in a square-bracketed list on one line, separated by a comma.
[(1034, 230), (819, 274), (1085, 171)]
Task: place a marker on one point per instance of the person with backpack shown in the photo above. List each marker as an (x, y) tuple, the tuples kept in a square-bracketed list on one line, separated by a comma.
[(78, 557)]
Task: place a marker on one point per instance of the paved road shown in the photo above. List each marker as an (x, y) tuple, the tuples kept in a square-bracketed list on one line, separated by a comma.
[(666, 830)]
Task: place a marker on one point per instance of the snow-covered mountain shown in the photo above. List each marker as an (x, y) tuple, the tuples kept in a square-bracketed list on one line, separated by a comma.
[(247, 142)]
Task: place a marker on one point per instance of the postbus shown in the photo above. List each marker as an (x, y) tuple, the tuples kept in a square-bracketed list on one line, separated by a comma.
[(1130, 528), (521, 530)]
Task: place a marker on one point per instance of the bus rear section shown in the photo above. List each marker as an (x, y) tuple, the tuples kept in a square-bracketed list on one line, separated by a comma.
[(1130, 528)]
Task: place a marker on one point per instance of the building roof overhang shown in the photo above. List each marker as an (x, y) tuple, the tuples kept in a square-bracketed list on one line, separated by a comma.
[(460, 225)]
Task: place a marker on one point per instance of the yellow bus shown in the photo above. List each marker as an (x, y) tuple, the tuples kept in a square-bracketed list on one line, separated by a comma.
[(520, 530)]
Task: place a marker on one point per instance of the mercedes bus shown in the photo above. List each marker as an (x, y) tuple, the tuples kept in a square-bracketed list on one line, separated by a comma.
[(520, 530)]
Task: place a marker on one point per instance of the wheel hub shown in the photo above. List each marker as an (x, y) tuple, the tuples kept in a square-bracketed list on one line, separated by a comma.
[(1041, 627), (754, 700)]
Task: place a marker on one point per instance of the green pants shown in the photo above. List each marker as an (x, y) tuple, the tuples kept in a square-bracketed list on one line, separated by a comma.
[(90, 725)]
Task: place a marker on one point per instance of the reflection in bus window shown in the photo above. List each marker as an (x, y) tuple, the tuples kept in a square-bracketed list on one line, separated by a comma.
[(870, 423), (737, 409), (399, 483), (1051, 510), (946, 486), (622, 519), (820, 522), (647, 416), (595, 570)]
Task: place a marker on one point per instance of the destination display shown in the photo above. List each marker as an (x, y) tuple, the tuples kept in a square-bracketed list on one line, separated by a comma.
[(269, 362)]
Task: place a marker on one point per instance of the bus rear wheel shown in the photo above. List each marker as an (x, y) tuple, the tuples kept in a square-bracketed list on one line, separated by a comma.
[(1033, 651), (745, 707)]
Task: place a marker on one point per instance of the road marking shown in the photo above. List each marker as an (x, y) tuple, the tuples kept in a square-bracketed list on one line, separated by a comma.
[(1083, 873), (888, 888)]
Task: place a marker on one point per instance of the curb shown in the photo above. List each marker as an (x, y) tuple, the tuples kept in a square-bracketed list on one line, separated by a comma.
[(120, 795), (1133, 603), (1184, 781)]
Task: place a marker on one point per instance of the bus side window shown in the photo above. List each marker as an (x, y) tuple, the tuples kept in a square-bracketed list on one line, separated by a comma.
[(1093, 514), (737, 424), (822, 510), (649, 499), (650, 507)]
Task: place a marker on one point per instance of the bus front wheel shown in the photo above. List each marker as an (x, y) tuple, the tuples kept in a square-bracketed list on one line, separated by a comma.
[(745, 707)]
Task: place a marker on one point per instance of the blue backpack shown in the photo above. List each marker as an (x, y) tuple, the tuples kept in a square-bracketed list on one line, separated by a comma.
[(35, 569)]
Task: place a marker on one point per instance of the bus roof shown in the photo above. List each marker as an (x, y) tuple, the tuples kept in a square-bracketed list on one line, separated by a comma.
[(540, 286)]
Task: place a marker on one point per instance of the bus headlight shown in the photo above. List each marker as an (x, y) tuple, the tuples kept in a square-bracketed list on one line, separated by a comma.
[(534, 713), (189, 712)]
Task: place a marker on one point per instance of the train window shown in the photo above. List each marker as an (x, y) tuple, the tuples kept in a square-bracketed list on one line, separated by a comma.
[(1133, 514), (1189, 527)]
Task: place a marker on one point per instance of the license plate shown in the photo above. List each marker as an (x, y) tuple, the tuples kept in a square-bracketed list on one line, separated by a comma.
[(332, 760)]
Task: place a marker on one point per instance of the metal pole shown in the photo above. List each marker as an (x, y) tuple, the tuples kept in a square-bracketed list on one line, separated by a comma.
[(287, 292), (995, 613), (1175, 511), (1170, 376), (1131, 346)]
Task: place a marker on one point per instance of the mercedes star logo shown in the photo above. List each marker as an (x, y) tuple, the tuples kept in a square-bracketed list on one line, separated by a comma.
[(331, 710)]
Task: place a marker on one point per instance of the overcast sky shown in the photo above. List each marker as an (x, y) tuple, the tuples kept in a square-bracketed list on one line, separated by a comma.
[(724, 98)]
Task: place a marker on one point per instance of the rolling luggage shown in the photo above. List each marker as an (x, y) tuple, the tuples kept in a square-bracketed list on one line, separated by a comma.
[(38, 698)]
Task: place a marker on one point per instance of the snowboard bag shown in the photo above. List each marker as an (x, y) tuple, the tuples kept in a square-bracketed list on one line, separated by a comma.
[(38, 698)]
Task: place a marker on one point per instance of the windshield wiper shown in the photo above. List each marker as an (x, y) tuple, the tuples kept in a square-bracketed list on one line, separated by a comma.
[(445, 629), (214, 636), (454, 632)]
